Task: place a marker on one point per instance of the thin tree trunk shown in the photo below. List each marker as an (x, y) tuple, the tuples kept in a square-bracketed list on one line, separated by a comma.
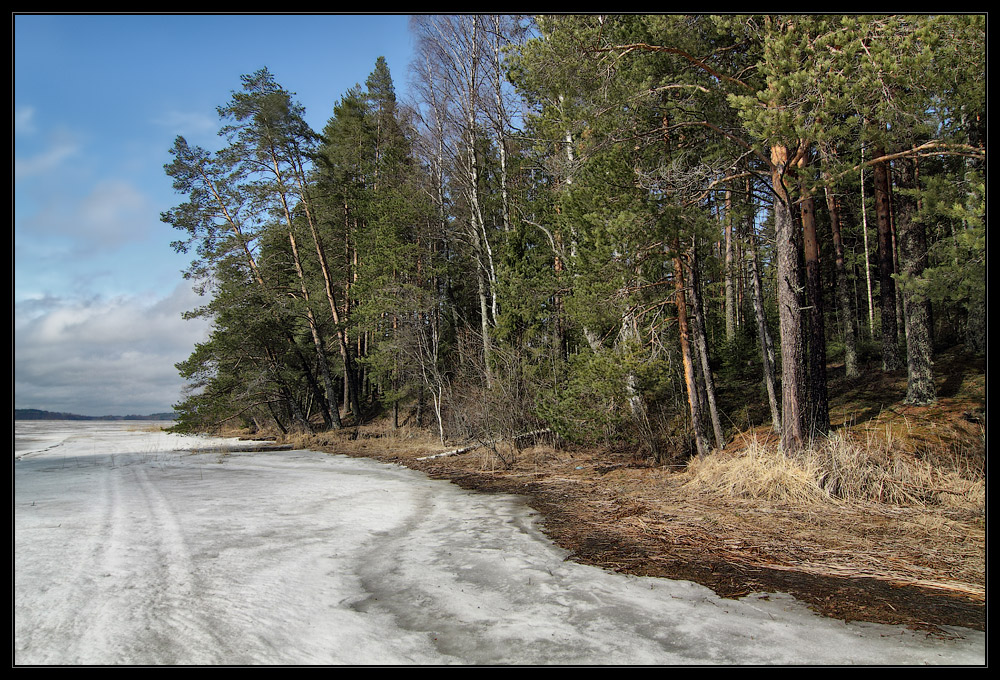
[(277, 421), (328, 289), (975, 327), (637, 405), (486, 275), (887, 286), (313, 326), (729, 274), (315, 389), (900, 316), (259, 280), (324, 368), (287, 395), (701, 445), (763, 334), (497, 72), (868, 270), (850, 324), (700, 342), (484, 324)]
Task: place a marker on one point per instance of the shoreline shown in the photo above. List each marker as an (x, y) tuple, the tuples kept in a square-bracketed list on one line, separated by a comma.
[(695, 539)]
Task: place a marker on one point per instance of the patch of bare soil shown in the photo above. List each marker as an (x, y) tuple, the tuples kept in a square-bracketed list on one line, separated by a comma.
[(919, 563)]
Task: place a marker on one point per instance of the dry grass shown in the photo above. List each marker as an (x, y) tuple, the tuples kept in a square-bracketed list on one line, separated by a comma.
[(403, 441), (147, 428), (758, 472), (856, 468)]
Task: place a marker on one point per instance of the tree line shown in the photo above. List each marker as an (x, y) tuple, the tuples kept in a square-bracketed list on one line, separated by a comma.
[(595, 225)]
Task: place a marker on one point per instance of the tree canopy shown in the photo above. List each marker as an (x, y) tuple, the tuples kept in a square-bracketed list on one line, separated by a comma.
[(595, 224)]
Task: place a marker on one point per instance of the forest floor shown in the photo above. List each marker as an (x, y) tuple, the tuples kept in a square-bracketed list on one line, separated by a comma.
[(914, 556)]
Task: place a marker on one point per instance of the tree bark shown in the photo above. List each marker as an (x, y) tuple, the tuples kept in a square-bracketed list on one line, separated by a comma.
[(919, 338), (818, 416), (793, 434)]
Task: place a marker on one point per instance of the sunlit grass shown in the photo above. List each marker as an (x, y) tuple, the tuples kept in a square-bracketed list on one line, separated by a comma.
[(870, 466)]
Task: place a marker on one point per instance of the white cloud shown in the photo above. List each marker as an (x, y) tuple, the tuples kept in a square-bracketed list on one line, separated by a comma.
[(47, 160), (103, 356)]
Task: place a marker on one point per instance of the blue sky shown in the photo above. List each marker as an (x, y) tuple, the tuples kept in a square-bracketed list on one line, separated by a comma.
[(98, 101)]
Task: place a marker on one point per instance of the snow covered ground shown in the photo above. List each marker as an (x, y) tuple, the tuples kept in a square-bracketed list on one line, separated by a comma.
[(136, 547)]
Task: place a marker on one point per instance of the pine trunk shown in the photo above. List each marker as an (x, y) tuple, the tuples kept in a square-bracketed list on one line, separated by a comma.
[(793, 397), (919, 337), (819, 407)]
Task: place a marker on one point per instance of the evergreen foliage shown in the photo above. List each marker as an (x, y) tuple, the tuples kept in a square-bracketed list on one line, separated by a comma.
[(614, 261)]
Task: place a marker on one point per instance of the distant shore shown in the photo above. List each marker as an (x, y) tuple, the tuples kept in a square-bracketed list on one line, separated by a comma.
[(38, 414)]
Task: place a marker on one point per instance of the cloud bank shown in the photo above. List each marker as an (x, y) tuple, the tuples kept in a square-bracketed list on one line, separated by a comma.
[(103, 356)]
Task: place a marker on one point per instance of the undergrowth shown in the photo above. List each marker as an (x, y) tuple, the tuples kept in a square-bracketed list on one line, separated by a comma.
[(856, 467)]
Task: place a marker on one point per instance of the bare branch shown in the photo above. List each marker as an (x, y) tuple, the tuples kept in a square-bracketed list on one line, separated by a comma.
[(645, 47)]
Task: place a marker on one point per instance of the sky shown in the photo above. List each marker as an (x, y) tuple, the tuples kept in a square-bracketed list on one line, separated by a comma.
[(98, 101), (132, 549)]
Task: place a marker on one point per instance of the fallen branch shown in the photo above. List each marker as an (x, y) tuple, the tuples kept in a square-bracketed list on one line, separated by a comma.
[(453, 452), (479, 445)]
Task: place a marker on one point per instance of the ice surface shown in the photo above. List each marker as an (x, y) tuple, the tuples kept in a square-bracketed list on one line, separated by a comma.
[(132, 549)]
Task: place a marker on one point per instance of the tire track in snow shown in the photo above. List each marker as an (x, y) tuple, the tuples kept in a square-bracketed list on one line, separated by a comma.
[(108, 609), (102, 599), (163, 576), (129, 593), (66, 581), (159, 578)]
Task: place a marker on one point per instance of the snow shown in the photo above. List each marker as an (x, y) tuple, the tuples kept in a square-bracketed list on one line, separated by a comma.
[(141, 547)]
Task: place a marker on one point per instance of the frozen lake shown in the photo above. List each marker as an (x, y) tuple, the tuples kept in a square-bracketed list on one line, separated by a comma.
[(132, 546)]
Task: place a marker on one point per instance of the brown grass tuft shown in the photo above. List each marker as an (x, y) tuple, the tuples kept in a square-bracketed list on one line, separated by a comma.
[(757, 472), (854, 468)]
